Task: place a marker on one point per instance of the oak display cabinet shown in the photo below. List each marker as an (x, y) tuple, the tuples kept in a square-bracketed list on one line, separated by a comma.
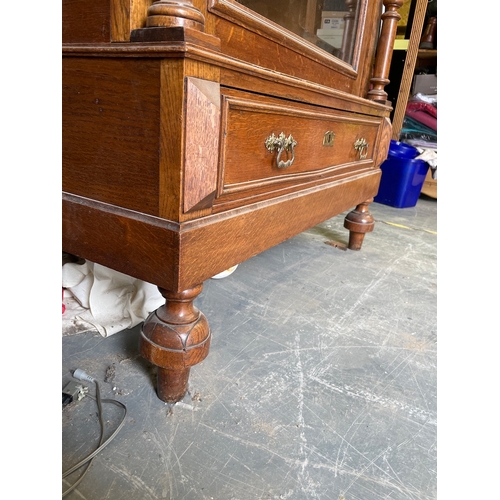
[(199, 134)]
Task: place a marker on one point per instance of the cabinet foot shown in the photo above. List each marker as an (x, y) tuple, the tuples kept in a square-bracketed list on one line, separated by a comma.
[(172, 385), (359, 222), (175, 337)]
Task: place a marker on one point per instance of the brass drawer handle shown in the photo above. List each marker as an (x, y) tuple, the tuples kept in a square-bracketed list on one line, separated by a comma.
[(282, 143), (361, 146)]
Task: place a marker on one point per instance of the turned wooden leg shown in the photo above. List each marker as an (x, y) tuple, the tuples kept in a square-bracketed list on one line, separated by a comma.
[(175, 337), (359, 222)]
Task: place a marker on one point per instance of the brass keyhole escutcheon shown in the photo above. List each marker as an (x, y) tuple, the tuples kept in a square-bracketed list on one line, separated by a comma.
[(361, 146), (328, 138), (282, 144)]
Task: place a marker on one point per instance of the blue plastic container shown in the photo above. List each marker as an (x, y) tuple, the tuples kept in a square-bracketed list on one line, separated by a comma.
[(402, 150), (402, 176)]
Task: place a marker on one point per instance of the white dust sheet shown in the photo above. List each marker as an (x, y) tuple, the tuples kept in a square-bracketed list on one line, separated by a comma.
[(101, 299)]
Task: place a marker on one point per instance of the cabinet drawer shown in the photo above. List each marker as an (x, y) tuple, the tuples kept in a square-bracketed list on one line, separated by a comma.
[(252, 161)]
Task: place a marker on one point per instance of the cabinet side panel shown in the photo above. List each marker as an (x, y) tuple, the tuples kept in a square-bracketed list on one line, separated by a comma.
[(86, 21), (110, 124)]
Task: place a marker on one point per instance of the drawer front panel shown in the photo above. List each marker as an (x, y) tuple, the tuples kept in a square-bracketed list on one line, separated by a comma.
[(325, 146)]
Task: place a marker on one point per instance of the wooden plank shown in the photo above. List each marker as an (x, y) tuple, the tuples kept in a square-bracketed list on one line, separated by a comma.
[(409, 68)]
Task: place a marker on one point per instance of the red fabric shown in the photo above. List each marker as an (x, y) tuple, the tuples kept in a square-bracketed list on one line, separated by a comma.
[(423, 106), (423, 118), (422, 112)]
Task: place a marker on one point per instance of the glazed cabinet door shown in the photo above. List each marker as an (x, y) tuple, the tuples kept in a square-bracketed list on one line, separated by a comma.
[(328, 42)]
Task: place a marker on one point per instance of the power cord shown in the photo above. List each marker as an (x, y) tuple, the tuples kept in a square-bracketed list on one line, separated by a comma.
[(81, 375)]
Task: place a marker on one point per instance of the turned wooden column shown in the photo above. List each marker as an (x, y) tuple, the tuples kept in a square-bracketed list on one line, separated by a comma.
[(385, 47), (359, 222), (349, 30), (175, 337), (169, 13), (174, 20)]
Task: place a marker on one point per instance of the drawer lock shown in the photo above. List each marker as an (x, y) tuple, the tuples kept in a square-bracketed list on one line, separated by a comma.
[(361, 146), (328, 139), (281, 144)]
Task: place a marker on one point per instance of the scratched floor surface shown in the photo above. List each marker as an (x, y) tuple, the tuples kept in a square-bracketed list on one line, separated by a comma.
[(320, 382)]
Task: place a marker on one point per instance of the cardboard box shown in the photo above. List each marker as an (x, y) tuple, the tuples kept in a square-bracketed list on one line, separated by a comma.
[(332, 36), (430, 185), (332, 20), (424, 84)]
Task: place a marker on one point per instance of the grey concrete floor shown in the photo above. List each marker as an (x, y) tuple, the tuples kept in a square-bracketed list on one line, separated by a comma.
[(320, 382)]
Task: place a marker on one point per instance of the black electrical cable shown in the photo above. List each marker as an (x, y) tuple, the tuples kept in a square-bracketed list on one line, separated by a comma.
[(102, 444)]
